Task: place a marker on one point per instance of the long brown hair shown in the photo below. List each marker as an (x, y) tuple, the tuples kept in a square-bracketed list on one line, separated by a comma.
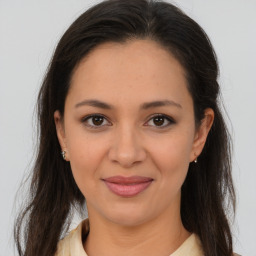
[(207, 193)]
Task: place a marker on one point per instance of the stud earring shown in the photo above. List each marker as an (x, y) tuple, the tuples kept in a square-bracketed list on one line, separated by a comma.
[(63, 153), (195, 161)]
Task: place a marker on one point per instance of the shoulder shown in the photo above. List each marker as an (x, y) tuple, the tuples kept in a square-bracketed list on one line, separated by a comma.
[(191, 246), (63, 247), (73, 241), (65, 244)]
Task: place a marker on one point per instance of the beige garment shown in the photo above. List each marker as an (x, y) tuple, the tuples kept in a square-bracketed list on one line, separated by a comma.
[(72, 244)]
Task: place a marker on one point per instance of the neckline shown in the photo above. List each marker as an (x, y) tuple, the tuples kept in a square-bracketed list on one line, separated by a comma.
[(192, 243)]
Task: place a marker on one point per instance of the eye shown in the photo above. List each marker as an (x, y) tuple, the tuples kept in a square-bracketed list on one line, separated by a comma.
[(160, 121), (96, 121)]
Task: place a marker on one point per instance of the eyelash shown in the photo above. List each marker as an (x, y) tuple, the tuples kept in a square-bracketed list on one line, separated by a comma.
[(166, 118), (85, 120)]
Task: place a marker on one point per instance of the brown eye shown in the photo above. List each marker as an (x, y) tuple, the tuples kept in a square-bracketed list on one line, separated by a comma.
[(160, 121), (96, 121)]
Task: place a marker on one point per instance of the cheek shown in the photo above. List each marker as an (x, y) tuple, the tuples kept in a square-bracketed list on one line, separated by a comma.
[(174, 150), (172, 158), (86, 155)]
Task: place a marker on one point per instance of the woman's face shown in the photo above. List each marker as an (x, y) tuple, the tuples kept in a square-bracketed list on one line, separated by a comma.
[(129, 131)]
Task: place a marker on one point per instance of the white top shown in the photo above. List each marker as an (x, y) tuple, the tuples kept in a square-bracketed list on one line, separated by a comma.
[(72, 244)]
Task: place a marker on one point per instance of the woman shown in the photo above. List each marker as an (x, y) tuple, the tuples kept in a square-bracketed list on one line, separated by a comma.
[(131, 102)]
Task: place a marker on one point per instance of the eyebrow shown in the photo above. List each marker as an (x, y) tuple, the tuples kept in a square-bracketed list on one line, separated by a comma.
[(160, 103), (144, 106), (94, 103)]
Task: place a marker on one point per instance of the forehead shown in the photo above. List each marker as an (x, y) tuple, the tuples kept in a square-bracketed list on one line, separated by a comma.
[(138, 69)]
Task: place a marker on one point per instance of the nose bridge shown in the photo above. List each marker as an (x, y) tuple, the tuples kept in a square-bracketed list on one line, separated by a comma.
[(127, 147)]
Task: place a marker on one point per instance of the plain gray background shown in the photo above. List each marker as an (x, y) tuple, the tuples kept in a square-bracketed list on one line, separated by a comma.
[(29, 31)]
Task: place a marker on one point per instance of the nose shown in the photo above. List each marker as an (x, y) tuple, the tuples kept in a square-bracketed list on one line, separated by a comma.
[(126, 148)]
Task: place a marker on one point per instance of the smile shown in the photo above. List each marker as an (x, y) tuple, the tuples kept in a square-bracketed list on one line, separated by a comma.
[(127, 186)]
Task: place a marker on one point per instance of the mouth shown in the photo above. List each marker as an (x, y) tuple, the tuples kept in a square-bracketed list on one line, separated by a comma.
[(127, 186)]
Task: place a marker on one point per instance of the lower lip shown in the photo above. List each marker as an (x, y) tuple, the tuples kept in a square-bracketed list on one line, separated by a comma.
[(127, 190)]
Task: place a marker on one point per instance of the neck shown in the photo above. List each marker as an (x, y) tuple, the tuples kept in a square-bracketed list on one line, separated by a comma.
[(161, 236)]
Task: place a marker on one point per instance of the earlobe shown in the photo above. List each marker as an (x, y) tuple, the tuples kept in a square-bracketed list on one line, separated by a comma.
[(202, 133), (60, 132)]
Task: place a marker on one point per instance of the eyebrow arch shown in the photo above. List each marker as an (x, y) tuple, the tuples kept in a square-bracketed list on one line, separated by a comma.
[(94, 103), (160, 103), (144, 106)]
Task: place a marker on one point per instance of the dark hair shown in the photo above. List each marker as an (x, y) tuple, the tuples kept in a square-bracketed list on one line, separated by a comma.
[(207, 193)]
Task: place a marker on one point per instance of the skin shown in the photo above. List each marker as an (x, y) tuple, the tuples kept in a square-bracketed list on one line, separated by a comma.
[(130, 141)]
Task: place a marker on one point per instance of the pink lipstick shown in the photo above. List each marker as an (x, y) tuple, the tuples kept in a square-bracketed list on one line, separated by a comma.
[(127, 186)]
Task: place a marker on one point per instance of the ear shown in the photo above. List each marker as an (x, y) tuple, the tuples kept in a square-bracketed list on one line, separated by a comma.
[(59, 124), (202, 133)]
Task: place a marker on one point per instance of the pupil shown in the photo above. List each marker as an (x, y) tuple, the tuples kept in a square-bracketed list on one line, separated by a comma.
[(97, 120), (158, 120)]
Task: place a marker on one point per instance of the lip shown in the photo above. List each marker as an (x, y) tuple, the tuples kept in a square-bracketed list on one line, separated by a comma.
[(127, 186)]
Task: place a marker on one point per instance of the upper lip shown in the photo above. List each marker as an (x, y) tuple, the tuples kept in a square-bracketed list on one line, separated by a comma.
[(128, 180)]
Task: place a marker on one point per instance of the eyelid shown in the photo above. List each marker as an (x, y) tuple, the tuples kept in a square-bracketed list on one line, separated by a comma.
[(86, 118), (170, 120)]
